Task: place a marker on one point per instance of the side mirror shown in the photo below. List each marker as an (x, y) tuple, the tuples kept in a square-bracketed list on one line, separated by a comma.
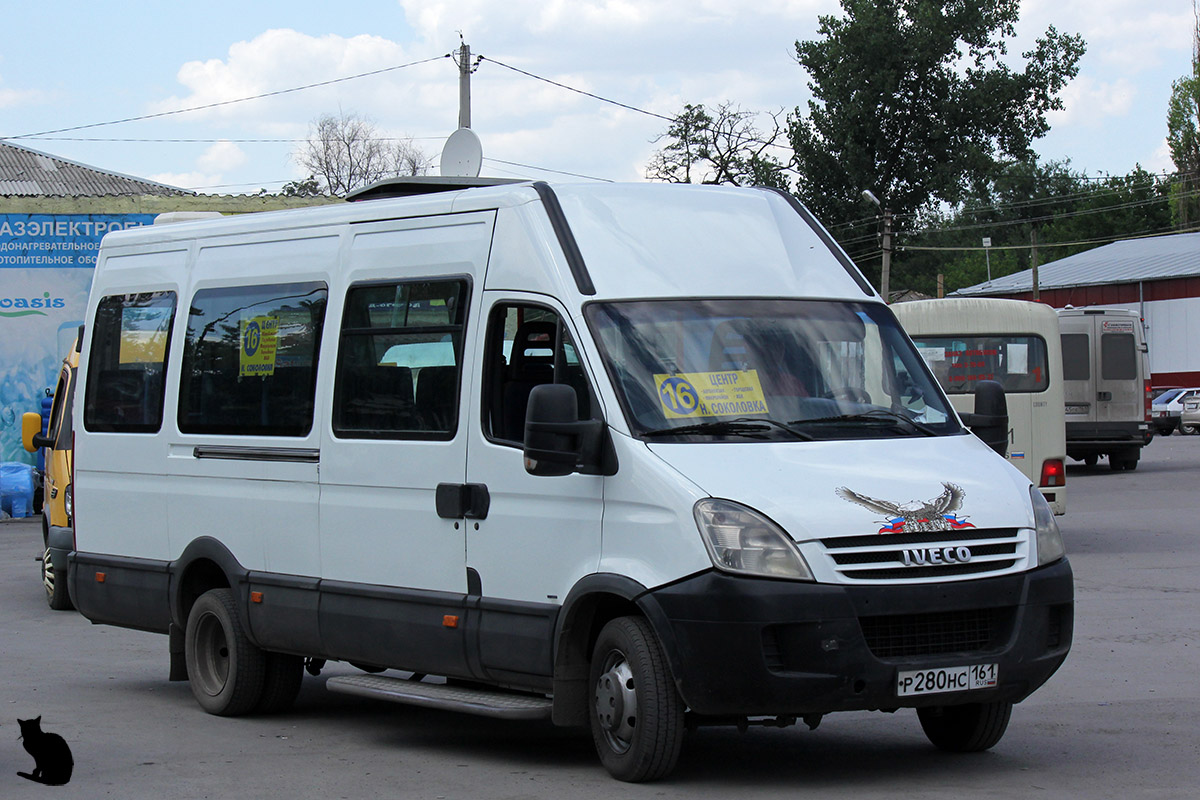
[(557, 442), (990, 420), (31, 432)]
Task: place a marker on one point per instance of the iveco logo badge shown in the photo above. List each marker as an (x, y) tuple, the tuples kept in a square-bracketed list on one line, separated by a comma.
[(915, 516), (925, 556)]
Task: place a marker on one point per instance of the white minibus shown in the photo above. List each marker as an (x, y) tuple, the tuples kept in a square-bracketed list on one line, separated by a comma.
[(1106, 385), (969, 339), (630, 457)]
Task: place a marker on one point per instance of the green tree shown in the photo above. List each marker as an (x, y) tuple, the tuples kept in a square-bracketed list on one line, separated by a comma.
[(913, 99), (1069, 212), (724, 147), (308, 187), (1183, 137)]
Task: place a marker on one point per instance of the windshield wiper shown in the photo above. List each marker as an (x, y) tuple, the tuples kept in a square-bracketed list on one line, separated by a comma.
[(750, 427), (874, 415)]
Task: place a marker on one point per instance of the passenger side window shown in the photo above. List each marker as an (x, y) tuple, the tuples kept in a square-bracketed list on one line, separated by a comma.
[(1118, 357), (127, 366), (250, 360), (399, 360), (527, 346)]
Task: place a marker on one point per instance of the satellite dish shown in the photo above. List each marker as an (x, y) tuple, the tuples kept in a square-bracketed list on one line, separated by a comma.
[(463, 154)]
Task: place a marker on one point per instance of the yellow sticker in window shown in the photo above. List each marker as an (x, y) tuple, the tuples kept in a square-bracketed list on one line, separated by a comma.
[(257, 353), (710, 394)]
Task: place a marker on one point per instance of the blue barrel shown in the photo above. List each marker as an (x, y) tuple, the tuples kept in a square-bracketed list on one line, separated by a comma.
[(16, 489)]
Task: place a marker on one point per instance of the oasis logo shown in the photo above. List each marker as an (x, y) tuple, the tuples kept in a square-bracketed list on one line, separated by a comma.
[(25, 307)]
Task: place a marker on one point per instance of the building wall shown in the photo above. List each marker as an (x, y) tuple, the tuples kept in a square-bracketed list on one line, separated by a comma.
[(47, 254)]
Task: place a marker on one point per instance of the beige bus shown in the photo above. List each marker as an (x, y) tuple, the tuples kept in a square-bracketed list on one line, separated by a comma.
[(966, 340)]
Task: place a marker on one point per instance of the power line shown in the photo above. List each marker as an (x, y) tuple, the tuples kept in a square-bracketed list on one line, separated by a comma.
[(547, 169), (226, 102), (579, 91)]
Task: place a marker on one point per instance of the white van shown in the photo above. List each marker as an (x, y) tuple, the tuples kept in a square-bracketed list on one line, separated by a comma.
[(969, 339), (1106, 385), (671, 462)]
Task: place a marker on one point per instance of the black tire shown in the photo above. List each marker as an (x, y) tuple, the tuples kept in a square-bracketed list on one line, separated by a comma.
[(969, 728), (1188, 430), (1091, 460), (636, 714), (225, 670), (282, 676), (55, 581)]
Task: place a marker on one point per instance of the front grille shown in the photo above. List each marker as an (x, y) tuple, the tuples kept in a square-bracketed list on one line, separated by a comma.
[(898, 557), (901, 635)]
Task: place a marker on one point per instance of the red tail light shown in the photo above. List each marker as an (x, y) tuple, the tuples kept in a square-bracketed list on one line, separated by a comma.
[(1148, 401), (1054, 473)]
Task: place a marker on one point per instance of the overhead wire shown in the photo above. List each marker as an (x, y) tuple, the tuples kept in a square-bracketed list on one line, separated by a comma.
[(221, 103)]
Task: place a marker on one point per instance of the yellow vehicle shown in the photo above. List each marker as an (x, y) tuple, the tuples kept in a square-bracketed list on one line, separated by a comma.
[(58, 522)]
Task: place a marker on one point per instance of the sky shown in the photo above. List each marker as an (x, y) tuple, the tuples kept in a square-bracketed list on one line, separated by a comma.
[(67, 64)]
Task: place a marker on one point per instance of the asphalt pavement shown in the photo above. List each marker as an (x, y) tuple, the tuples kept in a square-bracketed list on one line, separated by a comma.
[(1119, 720)]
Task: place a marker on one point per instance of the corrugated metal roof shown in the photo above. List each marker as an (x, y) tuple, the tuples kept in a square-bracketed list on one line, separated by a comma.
[(28, 173), (1127, 261)]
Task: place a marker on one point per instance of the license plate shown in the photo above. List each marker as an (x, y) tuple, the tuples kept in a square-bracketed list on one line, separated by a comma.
[(946, 679)]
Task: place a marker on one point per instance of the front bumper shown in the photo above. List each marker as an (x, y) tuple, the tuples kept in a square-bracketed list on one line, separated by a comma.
[(758, 647)]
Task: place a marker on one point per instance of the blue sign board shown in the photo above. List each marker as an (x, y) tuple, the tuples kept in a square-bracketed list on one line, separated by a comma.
[(46, 263)]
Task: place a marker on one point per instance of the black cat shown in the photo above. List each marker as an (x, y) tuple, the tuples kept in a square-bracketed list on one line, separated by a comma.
[(51, 756)]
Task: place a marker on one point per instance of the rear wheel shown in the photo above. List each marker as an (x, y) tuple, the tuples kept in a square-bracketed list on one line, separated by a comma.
[(226, 671), (1188, 430), (967, 728), (55, 581), (636, 714), (1091, 460)]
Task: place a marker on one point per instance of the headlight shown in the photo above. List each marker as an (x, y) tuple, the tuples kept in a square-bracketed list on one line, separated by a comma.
[(743, 541), (1050, 546)]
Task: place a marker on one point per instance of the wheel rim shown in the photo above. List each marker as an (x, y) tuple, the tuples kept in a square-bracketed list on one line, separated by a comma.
[(213, 650), (617, 702), (48, 573)]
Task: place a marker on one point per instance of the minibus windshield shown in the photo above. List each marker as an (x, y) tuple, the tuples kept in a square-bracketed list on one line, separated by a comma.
[(766, 370)]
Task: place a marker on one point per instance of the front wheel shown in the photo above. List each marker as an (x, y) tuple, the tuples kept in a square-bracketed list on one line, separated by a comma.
[(1188, 430), (55, 581), (226, 671), (969, 728), (636, 714)]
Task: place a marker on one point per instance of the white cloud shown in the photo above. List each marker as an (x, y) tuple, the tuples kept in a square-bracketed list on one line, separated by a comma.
[(14, 98), (221, 157), (1089, 102)]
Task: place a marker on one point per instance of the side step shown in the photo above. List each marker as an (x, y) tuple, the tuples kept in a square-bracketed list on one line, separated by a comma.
[(481, 702)]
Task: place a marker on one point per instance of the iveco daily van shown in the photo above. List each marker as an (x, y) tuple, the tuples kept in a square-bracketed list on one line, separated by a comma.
[(1106, 385), (633, 457), (968, 339)]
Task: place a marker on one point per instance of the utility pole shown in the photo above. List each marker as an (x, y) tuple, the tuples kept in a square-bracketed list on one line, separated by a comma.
[(464, 85), (886, 272), (885, 277), (1034, 258)]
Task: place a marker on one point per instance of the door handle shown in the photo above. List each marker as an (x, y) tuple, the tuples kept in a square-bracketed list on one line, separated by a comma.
[(462, 500), (1104, 395)]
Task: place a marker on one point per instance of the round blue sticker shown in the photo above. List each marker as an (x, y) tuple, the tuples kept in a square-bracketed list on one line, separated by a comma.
[(679, 395), (253, 338)]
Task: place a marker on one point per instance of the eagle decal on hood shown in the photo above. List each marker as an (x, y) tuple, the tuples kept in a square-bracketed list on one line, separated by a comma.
[(915, 516)]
